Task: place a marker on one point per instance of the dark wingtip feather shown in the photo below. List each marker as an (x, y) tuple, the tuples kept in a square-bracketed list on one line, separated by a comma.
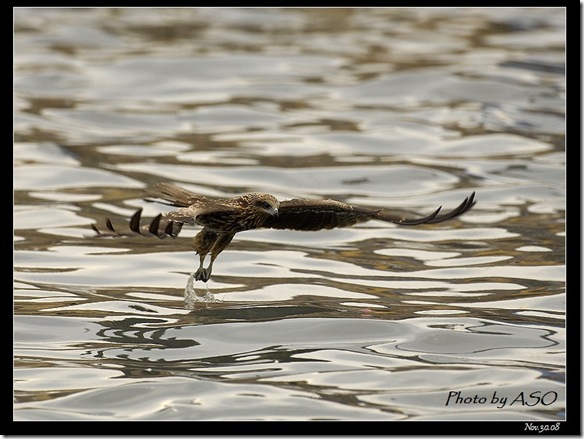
[(96, 230), (155, 224), (465, 206), (109, 225), (135, 221), (425, 220), (172, 228), (434, 217), (168, 229)]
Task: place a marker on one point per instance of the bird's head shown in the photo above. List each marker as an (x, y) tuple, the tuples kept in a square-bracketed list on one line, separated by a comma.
[(264, 203)]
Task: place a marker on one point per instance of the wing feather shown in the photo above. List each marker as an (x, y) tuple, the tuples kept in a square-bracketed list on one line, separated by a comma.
[(433, 218), (175, 196), (328, 214), (317, 214), (160, 227)]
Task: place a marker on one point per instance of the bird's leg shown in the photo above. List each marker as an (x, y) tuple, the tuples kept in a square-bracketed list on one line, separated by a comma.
[(202, 243), (200, 274), (219, 245)]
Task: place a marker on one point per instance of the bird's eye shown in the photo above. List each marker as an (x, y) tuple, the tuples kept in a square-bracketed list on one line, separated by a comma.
[(265, 205)]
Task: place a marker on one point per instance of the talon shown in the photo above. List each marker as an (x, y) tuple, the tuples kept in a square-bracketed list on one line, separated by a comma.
[(202, 274)]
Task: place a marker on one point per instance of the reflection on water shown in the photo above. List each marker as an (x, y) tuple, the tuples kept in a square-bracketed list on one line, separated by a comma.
[(402, 108)]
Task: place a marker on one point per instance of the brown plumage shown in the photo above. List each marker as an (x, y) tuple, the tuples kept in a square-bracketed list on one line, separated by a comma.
[(223, 218)]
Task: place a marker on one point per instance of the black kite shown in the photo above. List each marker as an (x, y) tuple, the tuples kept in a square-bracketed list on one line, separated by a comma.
[(223, 218)]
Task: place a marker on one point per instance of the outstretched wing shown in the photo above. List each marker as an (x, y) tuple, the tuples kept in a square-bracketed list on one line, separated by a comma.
[(192, 207), (328, 214), (160, 227), (211, 214)]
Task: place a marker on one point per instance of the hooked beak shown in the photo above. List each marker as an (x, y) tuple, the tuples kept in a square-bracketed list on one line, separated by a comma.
[(274, 212)]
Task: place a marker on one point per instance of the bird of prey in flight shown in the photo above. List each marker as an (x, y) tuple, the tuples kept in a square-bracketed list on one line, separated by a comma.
[(221, 219)]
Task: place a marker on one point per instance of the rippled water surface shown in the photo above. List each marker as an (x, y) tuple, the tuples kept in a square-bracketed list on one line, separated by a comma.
[(403, 108)]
